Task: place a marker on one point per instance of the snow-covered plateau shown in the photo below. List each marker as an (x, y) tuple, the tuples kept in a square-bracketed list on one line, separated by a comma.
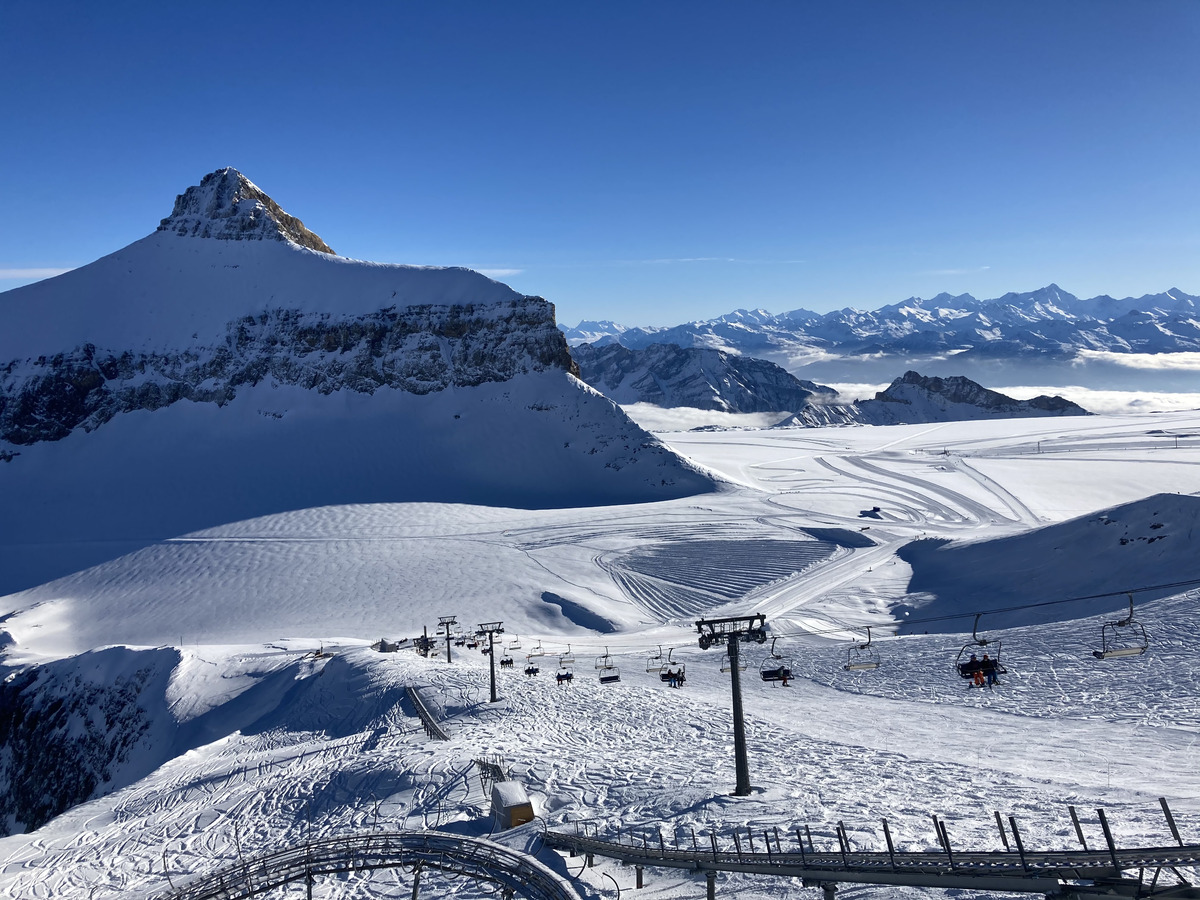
[(214, 696)]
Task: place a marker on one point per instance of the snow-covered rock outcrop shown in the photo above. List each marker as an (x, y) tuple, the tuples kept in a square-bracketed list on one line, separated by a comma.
[(671, 376), (914, 398), (228, 206)]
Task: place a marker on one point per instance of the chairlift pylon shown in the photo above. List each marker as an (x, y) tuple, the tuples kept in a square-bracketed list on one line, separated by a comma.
[(1124, 637), (862, 657)]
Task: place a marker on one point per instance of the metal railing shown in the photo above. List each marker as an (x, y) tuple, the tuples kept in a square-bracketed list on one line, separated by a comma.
[(771, 852), (513, 871), (428, 722)]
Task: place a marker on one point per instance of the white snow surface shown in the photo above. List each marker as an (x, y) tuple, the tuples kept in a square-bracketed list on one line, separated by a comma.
[(250, 751), (167, 292)]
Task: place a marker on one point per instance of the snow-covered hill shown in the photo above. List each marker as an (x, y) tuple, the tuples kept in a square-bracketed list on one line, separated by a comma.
[(229, 365), (671, 376), (914, 398)]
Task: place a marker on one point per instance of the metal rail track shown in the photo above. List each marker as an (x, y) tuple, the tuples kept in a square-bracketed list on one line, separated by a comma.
[(514, 872), (428, 722), (1060, 873)]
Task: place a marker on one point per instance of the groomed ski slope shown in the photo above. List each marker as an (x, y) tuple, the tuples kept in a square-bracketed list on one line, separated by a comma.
[(275, 743)]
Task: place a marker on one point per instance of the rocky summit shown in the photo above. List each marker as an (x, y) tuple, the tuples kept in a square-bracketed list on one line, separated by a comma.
[(228, 206)]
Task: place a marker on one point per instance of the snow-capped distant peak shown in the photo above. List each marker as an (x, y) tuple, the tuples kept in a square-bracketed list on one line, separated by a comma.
[(228, 206)]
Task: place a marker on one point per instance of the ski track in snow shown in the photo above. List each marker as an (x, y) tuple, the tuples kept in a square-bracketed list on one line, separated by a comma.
[(902, 741)]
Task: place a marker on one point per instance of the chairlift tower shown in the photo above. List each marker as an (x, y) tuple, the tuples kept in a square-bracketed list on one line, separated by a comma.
[(491, 629), (444, 622), (731, 632)]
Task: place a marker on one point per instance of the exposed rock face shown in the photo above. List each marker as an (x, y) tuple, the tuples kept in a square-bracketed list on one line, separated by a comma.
[(227, 206), (671, 376), (914, 398), (418, 349), (66, 736)]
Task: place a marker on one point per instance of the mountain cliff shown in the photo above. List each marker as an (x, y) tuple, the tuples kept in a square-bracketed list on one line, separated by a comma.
[(228, 365)]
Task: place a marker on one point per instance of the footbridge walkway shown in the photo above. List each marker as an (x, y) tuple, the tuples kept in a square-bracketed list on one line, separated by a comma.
[(1055, 874), (513, 872)]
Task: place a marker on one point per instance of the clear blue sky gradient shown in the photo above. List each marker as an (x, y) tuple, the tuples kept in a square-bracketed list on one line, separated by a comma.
[(649, 163)]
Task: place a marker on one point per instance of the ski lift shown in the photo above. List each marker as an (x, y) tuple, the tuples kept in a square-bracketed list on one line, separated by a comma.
[(727, 663), (862, 657), (655, 663), (473, 643), (537, 651), (608, 673), (964, 663), (671, 672), (774, 667), (531, 668), (564, 675), (1124, 637), (567, 659), (460, 639), (506, 661)]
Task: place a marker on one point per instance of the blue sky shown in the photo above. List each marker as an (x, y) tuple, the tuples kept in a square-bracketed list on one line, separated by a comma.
[(646, 162)]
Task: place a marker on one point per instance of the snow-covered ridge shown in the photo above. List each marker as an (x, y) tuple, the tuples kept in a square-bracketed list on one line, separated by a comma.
[(228, 206), (914, 398), (671, 376)]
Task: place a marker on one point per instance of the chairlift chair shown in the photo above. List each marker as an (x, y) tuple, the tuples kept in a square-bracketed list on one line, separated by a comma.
[(727, 663), (537, 650), (774, 667), (962, 663), (671, 672), (1124, 637), (608, 673), (862, 657), (514, 644), (564, 675), (531, 668), (567, 659), (655, 663), (506, 661)]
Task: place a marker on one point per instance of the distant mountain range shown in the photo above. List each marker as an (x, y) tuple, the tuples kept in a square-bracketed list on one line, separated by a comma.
[(1041, 323)]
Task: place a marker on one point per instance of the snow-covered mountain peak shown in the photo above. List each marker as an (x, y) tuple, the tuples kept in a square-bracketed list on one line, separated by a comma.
[(228, 206)]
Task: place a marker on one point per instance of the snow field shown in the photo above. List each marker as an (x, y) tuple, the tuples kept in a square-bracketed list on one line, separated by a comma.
[(274, 743)]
